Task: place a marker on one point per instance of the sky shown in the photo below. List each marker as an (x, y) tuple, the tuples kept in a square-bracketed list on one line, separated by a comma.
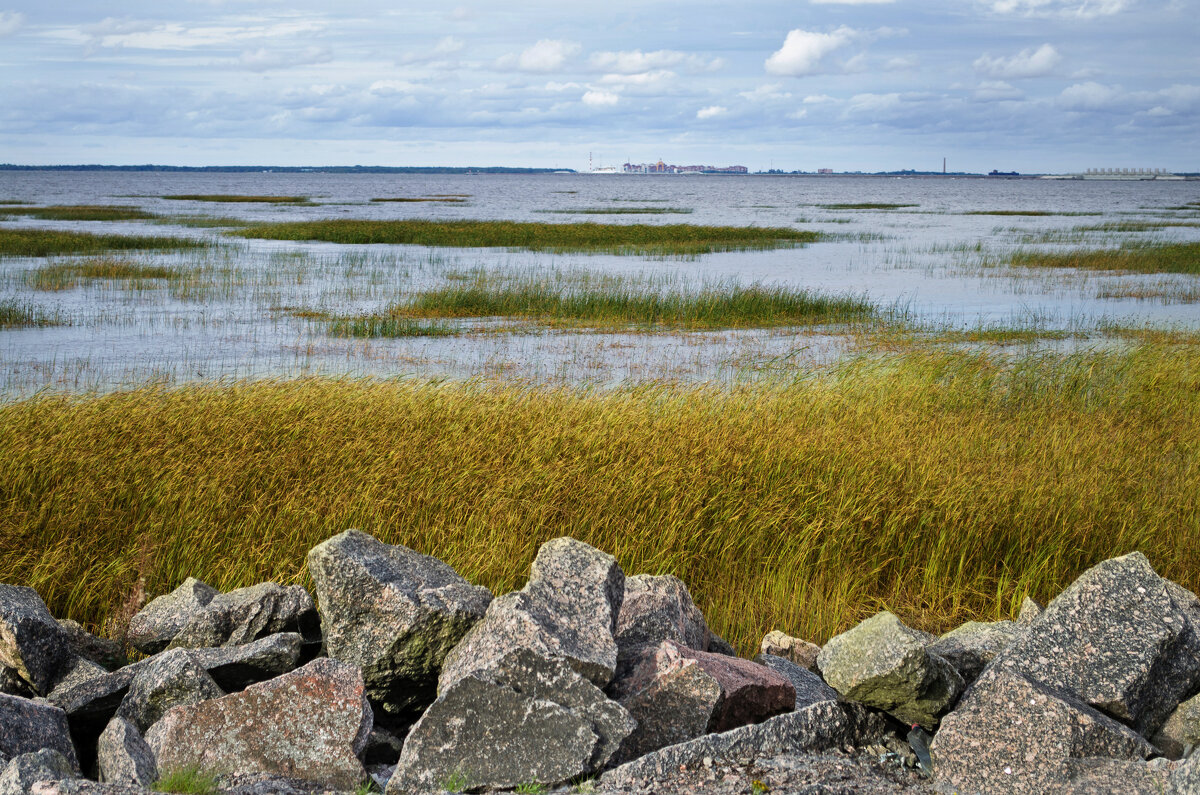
[(1049, 86)]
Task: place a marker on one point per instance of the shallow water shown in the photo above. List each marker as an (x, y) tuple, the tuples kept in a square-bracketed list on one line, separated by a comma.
[(922, 261)]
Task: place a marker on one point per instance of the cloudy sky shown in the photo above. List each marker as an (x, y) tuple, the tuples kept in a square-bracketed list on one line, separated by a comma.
[(1026, 85)]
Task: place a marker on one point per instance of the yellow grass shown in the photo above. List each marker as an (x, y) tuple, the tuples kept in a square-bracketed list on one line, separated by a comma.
[(944, 486)]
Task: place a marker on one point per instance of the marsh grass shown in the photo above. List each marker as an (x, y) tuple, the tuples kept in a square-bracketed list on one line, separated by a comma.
[(445, 199), (15, 313), (386, 326), (1137, 226), (81, 212), (624, 211), (940, 485), (233, 198), (202, 221), (865, 206), (605, 301), (664, 240), (186, 781), (1031, 213), (45, 242), (1137, 258), (7, 202), (68, 275)]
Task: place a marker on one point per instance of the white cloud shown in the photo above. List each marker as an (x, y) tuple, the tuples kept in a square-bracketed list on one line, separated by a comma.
[(850, 2), (818, 99), (547, 55), (658, 76), (803, 51), (1085, 9), (262, 60), (1027, 63), (445, 47), (1090, 96), (600, 99), (798, 114), (10, 22), (136, 34), (902, 63), (386, 87), (997, 90), (711, 111), (766, 92), (635, 61)]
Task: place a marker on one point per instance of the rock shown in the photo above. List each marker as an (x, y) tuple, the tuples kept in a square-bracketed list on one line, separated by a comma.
[(11, 683), (718, 645), (1185, 780), (29, 726), (819, 727), (308, 724), (655, 609), (1029, 611), (26, 770), (157, 624), (123, 756), (810, 687), (393, 612), (568, 609), (235, 667), (801, 652), (382, 748), (526, 719), (248, 614), (172, 678), (90, 705), (76, 673), (31, 641), (676, 693), (1117, 639), (973, 645), (886, 665), (1181, 730), (103, 652), (1014, 735), (1115, 777)]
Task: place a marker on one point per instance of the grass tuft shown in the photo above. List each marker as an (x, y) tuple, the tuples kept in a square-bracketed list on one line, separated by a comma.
[(229, 197), (865, 206), (186, 781), (68, 275), (45, 242), (81, 212), (672, 239), (624, 211), (1137, 258), (942, 485), (22, 314), (445, 198)]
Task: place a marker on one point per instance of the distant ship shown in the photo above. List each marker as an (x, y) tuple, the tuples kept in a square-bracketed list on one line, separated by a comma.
[(604, 170)]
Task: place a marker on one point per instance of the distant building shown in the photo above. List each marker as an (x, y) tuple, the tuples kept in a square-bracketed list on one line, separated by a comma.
[(666, 168), (824, 170)]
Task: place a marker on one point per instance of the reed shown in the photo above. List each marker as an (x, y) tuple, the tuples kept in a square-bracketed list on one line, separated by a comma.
[(624, 211), (667, 239), (386, 326), (15, 313), (940, 485), (1137, 258), (865, 206), (68, 275), (81, 212), (45, 242)]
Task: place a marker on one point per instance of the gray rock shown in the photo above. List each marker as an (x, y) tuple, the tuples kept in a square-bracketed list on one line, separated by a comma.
[(526, 719), (810, 687), (308, 724), (973, 645), (104, 652), (1115, 777), (654, 609), (382, 748), (886, 665), (393, 612), (1117, 639), (815, 728), (676, 693), (23, 772), (172, 679), (123, 757), (76, 673), (82, 786), (1185, 780), (568, 609), (235, 667), (1029, 611), (718, 645), (248, 614), (157, 624), (27, 726), (11, 683), (1014, 735), (31, 641), (801, 652), (90, 705), (1181, 730)]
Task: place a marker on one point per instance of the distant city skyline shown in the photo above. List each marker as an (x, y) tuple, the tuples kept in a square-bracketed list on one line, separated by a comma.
[(1048, 86)]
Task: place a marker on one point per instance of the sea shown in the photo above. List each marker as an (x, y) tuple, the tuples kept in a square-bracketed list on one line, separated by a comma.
[(930, 255)]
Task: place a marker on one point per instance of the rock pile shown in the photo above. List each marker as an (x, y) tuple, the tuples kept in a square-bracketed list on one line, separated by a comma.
[(410, 679)]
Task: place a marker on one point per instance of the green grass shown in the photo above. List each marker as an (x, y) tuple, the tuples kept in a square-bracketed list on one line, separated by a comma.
[(1033, 213), (530, 788), (1138, 258), (81, 212), (446, 199), (68, 275), (942, 485), (202, 221), (617, 303), (865, 206), (45, 242), (13, 201), (227, 197), (624, 211), (15, 313), (1136, 226), (186, 781), (668, 240), (387, 326)]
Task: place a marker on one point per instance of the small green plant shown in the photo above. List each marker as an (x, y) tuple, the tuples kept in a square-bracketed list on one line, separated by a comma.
[(759, 788), (455, 782), (367, 787), (585, 787), (531, 788), (186, 781)]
